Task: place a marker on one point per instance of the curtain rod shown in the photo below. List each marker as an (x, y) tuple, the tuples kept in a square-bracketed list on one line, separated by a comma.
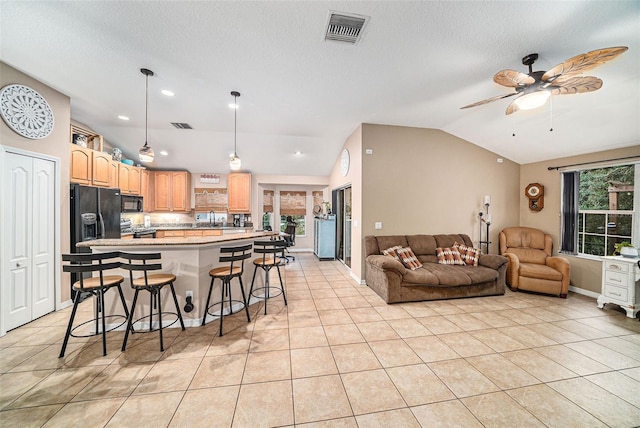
[(591, 163)]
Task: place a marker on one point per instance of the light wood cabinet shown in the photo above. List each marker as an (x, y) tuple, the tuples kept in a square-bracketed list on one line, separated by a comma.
[(188, 233), (129, 178), (172, 191), (105, 172), (193, 232), (81, 166), (146, 190), (170, 234), (239, 192), (212, 232)]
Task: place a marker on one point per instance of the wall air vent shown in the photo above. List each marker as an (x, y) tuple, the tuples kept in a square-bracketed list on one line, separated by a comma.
[(345, 27), (181, 125)]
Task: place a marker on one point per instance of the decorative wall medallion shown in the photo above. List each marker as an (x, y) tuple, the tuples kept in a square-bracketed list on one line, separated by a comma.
[(26, 111)]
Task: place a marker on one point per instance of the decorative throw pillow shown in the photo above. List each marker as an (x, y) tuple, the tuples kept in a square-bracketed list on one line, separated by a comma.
[(408, 258), (449, 256), (391, 252), (470, 255)]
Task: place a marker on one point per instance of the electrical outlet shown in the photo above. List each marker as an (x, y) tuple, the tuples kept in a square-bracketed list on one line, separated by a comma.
[(189, 293)]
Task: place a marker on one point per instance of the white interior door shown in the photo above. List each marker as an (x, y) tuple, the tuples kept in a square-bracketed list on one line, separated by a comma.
[(29, 239), (43, 238)]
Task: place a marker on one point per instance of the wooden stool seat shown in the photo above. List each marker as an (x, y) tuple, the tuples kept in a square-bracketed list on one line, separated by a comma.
[(222, 271), (154, 280), (272, 261), (231, 255), (94, 282)]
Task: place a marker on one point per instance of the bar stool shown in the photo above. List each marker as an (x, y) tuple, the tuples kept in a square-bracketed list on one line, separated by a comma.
[(83, 263), (226, 274), (153, 284), (269, 260)]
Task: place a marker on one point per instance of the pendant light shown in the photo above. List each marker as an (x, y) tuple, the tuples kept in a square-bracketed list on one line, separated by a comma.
[(234, 162), (146, 153)]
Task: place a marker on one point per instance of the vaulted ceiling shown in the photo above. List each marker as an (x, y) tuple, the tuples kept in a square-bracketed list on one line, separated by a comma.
[(416, 64)]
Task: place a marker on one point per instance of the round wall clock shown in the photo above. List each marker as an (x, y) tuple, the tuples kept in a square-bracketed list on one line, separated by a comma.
[(344, 163), (26, 112)]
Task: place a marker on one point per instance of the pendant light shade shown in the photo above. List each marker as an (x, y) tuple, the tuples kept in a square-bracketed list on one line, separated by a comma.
[(234, 162), (146, 152)]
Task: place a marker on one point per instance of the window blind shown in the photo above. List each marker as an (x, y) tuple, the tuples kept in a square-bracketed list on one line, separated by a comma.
[(267, 201), (293, 202)]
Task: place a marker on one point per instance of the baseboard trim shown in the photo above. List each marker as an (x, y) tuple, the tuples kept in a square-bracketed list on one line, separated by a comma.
[(584, 292)]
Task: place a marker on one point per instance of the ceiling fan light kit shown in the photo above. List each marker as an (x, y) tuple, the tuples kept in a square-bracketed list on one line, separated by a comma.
[(532, 90), (146, 154)]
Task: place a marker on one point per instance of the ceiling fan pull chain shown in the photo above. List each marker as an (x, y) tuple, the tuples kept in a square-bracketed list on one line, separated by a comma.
[(513, 125)]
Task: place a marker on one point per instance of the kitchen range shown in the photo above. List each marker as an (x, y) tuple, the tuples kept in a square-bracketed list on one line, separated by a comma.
[(127, 228)]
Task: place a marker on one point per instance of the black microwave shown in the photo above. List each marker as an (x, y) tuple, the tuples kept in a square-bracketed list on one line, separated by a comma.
[(132, 204)]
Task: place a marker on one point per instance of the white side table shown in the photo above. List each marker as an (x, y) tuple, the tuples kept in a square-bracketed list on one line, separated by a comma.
[(621, 283)]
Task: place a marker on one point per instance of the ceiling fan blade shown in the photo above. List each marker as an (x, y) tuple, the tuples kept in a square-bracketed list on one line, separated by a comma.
[(583, 62), (488, 100), (513, 78), (512, 108), (575, 85)]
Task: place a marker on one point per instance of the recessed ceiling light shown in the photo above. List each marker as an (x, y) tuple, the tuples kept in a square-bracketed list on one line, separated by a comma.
[(298, 153), (167, 92), (123, 117), (164, 153)]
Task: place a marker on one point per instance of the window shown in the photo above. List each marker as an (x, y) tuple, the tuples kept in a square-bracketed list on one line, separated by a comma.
[(301, 224), (605, 214)]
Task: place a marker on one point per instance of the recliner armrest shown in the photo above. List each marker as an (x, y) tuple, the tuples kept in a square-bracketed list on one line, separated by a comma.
[(492, 261), (513, 269), (386, 263)]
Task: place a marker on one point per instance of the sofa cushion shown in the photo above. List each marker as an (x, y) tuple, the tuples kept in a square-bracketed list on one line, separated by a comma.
[(408, 258), (391, 241), (470, 255), (449, 256), (448, 240), (449, 275), (420, 276), (391, 252), (480, 274), (534, 270), (422, 245)]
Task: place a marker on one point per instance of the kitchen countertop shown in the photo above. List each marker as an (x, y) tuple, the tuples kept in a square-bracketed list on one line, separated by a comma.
[(203, 227), (193, 240)]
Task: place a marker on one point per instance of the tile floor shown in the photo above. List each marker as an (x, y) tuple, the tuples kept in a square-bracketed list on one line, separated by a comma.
[(337, 355)]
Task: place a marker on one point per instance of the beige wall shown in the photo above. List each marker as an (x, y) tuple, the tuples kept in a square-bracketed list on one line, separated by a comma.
[(56, 145), (585, 273)]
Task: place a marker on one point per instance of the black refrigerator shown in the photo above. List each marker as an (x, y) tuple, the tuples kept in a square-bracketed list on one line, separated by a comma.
[(95, 214)]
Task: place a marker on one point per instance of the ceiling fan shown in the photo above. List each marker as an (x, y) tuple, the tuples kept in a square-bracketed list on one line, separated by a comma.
[(533, 89)]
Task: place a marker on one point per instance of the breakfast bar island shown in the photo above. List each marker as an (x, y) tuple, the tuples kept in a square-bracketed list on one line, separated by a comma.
[(190, 259)]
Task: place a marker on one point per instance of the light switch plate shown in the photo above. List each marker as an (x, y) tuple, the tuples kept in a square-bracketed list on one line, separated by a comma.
[(378, 225)]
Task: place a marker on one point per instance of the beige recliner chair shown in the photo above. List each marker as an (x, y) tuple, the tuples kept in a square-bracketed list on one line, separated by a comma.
[(531, 266)]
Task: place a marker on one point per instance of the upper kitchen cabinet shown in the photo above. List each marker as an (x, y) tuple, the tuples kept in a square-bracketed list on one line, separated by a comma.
[(130, 179), (239, 192), (105, 171), (81, 165), (146, 190), (172, 191)]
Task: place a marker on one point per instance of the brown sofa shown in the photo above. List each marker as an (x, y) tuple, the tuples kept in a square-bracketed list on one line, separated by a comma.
[(531, 266), (394, 283)]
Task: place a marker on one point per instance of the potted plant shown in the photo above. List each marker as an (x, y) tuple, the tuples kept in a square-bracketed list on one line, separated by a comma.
[(625, 249)]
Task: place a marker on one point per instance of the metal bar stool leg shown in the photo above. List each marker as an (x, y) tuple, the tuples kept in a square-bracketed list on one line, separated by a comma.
[(175, 300), (284, 296), (206, 306), (244, 298), (104, 324), (130, 322), (124, 303), (222, 290), (76, 301), (157, 292)]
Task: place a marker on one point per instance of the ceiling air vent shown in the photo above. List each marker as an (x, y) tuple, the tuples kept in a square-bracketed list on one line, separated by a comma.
[(346, 28), (181, 125)]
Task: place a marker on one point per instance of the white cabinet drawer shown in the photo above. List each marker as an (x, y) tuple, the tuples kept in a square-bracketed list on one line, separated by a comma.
[(616, 266), (616, 278), (618, 293)]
